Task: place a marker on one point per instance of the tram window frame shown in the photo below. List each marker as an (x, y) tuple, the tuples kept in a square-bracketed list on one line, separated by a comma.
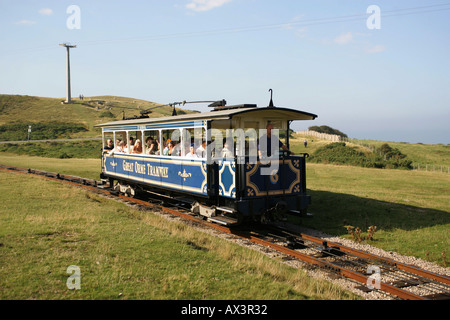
[(218, 139), (174, 137), (193, 135), (123, 135), (107, 135), (136, 135), (155, 134), (280, 125)]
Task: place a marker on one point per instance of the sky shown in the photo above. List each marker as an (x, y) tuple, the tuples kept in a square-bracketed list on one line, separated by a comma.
[(375, 70)]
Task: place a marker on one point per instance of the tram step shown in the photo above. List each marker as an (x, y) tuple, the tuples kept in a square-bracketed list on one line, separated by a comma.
[(225, 209), (227, 221)]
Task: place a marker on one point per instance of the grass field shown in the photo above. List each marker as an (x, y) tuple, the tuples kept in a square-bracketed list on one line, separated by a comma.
[(125, 253), (411, 209), (87, 168)]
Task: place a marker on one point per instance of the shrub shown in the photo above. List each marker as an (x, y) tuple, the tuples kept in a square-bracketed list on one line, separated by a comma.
[(393, 157), (106, 114), (340, 153)]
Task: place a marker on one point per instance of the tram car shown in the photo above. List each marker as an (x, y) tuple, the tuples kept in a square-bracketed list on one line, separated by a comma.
[(214, 162)]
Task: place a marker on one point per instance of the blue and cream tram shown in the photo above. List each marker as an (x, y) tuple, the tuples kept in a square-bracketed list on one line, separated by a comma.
[(213, 160)]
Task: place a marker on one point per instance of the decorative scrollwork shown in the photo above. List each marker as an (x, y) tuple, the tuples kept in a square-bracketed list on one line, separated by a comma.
[(185, 174)]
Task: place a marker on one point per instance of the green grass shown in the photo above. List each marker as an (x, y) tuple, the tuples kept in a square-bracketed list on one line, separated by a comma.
[(87, 168), (88, 149), (125, 253)]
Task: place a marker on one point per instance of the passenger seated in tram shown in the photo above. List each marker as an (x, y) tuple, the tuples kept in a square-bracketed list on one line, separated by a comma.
[(109, 146), (176, 150), (166, 148), (137, 147), (226, 152), (121, 147), (131, 145), (170, 149), (191, 154), (201, 151), (151, 146)]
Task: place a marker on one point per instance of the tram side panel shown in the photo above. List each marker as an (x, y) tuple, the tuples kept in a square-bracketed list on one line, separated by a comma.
[(250, 188), (184, 176), (193, 174), (278, 185), (227, 178)]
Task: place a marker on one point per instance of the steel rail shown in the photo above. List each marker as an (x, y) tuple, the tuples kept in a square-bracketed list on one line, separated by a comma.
[(370, 256)]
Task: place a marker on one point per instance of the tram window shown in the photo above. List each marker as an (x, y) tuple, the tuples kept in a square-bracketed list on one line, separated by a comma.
[(133, 137), (200, 142), (197, 138), (251, 129), (217, 142), (222, 133), (172, 141), (151, 142), (278, 125), (121, 141), (108, 141)]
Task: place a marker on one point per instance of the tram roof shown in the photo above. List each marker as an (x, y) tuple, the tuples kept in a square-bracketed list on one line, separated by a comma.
[(226, 114)]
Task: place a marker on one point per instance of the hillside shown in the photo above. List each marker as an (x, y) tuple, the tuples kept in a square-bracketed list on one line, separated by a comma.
[(17, 112), (422, 156)]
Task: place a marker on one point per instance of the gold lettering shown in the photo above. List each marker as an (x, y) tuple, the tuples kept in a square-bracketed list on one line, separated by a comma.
[(127, 166), (157, 171), (139, 168)]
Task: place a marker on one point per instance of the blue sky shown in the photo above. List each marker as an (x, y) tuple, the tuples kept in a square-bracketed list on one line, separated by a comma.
[(389, 83)]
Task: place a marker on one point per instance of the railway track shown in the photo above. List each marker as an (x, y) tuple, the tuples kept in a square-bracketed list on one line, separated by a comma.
[(371, 272)]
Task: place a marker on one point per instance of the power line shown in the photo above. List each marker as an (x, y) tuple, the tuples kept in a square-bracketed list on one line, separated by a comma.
[(308, 22), (317, 21)]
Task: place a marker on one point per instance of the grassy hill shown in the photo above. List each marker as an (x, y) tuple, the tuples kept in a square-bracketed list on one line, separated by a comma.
[(433, 156), (74, 120)]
